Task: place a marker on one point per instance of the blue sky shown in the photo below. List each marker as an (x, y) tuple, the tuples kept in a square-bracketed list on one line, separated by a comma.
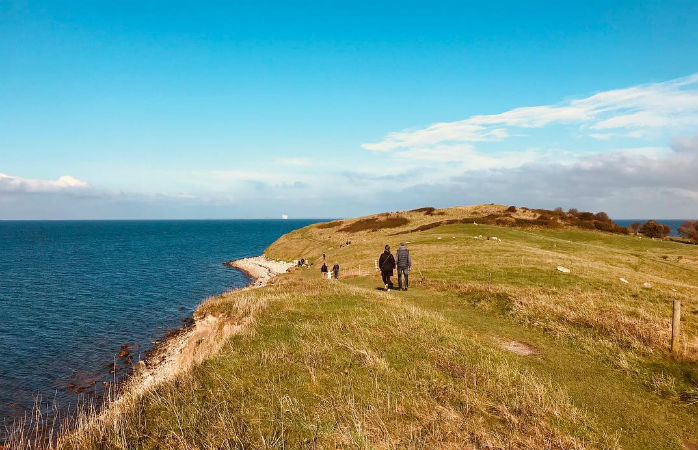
[(328, 109)]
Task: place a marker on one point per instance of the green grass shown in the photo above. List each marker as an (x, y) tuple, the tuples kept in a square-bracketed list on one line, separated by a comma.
[(327, 364), (592, 384)]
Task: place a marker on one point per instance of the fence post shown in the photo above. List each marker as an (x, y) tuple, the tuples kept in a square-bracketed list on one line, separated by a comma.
[(676, 327)]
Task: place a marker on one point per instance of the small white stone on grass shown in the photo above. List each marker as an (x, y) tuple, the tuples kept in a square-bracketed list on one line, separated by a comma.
[(563, 269), (623, 280), (646, 285)]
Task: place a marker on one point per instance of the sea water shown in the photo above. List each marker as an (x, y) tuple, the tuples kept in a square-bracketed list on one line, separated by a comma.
[(72, 292)]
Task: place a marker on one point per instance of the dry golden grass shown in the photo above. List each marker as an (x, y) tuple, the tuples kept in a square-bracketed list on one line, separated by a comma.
[(329, 383)]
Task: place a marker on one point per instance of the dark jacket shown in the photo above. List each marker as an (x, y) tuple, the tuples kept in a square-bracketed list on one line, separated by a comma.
[(323, 269), (403, 258), (335, 268), (386, 262)]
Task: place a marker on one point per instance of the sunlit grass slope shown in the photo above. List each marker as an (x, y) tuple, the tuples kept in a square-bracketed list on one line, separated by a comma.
[(342, 364)]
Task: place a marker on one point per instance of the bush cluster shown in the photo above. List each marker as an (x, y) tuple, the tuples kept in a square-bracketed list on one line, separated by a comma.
[(689, 229), (324, 226), (374, 224), (654, 229), (556, 218)]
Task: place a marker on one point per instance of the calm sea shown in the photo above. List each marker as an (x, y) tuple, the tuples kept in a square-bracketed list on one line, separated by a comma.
[(673, 223), (72, 292)]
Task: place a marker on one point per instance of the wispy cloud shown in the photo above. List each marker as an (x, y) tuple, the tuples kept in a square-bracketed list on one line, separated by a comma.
[(469, 157), (665, 105)]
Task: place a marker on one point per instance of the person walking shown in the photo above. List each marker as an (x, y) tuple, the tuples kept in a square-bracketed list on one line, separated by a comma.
[(386, 263), (404, 264), (323, 270), (335, 271)]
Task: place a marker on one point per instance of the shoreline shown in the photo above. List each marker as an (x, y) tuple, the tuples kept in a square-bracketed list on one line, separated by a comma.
[(186, 346), (178, 350), (259, 269)]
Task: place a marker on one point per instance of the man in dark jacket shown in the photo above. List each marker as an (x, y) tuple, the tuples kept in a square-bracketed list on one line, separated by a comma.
[(386, 263), (404, 264)]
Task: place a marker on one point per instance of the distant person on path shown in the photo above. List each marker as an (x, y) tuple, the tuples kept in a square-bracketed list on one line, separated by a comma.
[(323, 270), (404, 264), (335, 270), (386, 263)]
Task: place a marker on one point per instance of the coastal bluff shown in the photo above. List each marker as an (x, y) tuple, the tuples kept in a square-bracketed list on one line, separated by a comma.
[(492, 346)]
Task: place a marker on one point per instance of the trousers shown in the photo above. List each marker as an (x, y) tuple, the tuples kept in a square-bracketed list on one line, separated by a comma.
[(400, 273), (386, 277)]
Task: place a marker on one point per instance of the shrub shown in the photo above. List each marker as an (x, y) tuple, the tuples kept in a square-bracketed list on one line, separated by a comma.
[(573, 212), (559, 213), (429, 226), (326, 225), (602, 217), (603, 226), (609, 226), (374, 224), (505, 220), (586, 224), (654, 229), (511, 209), (689, 229), (585, 215), (428, 211)]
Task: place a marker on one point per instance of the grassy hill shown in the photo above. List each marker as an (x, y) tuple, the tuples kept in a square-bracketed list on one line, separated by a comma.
[(491, 347)]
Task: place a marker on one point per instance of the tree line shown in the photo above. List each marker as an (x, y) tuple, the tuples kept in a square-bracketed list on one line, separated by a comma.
[(654, 229)]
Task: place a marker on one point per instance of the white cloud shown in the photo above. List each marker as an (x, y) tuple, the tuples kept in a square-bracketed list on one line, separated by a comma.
[(441, 153), (468, 158), (434, 134), (638, 119), (65, 183), (667, 105)]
